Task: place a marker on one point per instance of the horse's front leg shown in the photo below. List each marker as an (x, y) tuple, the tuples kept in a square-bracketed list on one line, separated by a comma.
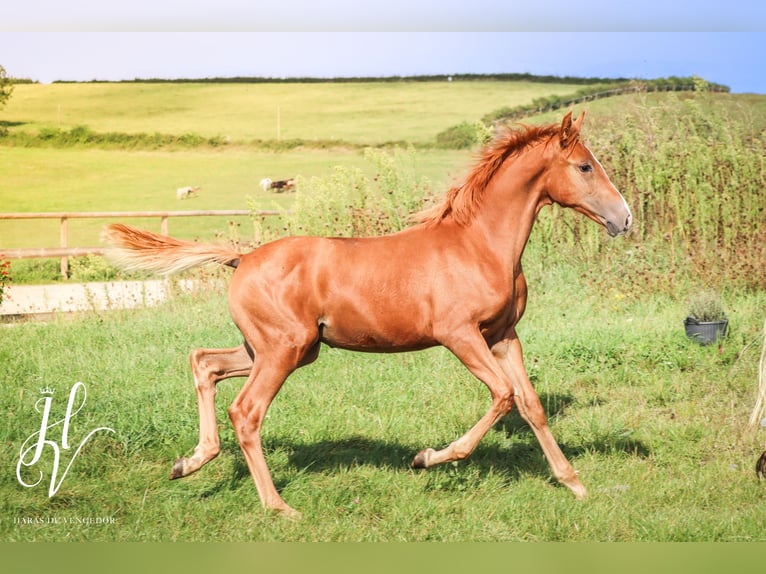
[(509, 356), (210, 366)]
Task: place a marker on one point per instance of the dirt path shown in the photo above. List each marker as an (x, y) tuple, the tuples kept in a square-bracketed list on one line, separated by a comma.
[(73, 297)]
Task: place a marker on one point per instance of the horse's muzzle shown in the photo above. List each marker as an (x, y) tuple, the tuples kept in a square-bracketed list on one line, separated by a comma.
[(615, 229)]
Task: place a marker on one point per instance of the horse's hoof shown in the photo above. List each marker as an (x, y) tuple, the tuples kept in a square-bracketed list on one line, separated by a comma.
[(421, 459), (577, 488), (289, 513), (760, 466), (178, 470)]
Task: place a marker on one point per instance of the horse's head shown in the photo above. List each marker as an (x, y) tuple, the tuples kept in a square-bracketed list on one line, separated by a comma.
[(577, 180)]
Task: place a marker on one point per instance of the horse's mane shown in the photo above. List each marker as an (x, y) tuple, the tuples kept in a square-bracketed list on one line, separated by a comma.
[(461, 201)]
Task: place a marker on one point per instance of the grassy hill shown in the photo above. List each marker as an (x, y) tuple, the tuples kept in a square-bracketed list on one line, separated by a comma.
[(362, 113)]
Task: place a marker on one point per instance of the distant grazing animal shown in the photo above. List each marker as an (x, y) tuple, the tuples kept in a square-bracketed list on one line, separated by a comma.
[(186, 192), (283, 185), (279, 186), (454, 279)]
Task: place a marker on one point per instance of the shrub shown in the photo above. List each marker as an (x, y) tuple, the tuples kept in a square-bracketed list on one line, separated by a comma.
[(91, 268), (464, 135), (79, 135)]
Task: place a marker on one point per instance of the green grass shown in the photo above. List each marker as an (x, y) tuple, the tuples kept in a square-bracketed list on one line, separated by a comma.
[(654, 423), (367, 113)]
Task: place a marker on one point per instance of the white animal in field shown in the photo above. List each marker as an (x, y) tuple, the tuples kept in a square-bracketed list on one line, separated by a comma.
[(265, 184), (186, 192)]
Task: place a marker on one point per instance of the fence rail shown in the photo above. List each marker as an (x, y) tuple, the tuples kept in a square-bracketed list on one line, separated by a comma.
[(65, 252)]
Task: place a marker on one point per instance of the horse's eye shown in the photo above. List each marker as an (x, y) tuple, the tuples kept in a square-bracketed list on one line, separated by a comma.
[(586, 168)]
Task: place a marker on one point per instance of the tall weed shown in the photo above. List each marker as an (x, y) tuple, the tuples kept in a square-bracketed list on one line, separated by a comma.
[(693, 171), (352, 202)]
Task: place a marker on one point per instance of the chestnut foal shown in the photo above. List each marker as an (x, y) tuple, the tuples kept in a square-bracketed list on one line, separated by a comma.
[(453, 279)]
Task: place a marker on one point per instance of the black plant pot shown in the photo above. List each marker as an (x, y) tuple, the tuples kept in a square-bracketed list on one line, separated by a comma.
[(705, 332)]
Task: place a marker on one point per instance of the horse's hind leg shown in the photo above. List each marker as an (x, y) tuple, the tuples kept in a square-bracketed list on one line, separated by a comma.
[(210, 366), (249, 409)]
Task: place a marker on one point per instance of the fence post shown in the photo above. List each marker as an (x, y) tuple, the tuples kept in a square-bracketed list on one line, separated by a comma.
[(164, 225), (63, 242)]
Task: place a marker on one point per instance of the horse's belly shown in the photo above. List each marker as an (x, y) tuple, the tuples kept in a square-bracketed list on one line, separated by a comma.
[(375, 336)]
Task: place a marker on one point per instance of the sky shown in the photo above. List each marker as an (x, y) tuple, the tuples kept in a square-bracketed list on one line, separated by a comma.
[(84, 40)]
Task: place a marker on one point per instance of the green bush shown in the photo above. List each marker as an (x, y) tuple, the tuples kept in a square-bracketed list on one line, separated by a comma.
[(91, 268), (36, 270), (602, 90), (463, 136), (84, 136), (78, 135)]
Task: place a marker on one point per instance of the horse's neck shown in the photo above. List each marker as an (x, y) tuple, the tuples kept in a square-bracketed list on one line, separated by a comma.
[(508, 211)]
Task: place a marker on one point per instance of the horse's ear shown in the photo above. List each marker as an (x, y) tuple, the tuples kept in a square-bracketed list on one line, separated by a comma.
[(570, 130), (566, 128), (577, 124)]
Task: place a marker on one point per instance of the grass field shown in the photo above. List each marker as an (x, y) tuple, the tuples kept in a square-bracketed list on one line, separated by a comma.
[(367, 113), (654, 423)]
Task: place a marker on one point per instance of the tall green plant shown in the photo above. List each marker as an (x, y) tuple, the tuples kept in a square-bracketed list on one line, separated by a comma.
[(693, 171), (353, 202)]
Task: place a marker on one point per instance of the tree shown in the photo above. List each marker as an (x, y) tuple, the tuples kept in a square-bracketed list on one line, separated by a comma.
[(6, 87)]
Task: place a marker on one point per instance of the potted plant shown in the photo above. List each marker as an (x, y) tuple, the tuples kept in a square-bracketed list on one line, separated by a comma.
[(706, 321)]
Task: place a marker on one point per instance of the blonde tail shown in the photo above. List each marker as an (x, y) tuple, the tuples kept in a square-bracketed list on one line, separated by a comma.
[(135, 249)]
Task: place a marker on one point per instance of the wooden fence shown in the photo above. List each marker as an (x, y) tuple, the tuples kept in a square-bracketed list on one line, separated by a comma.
[(65, 252)]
